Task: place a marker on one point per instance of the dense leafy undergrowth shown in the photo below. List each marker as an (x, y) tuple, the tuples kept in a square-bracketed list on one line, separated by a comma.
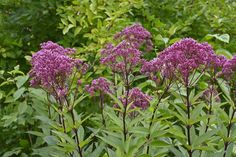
[(125, 89)]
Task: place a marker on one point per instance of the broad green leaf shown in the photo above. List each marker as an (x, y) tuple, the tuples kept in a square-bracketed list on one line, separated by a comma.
[(114, 118), (224, 52), (117, 101), (203, 138), (64, 137), (72, 20), (19, 93), (77, 30), (67, 28), (222, 37), (22, 107), (113, 141), (36, 133), (172, 30), (196, 111), (20, 80), (14, 152), (176, 152)]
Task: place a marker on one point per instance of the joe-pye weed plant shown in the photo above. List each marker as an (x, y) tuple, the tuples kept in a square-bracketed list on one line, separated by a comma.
[(177, 115)]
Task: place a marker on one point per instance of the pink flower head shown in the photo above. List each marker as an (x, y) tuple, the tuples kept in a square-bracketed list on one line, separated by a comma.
[(125, 56), (229, 69), (100, 84), (185, 56), (137, 99), (150, 68), (51, 67), (137, 35), (121, 57)]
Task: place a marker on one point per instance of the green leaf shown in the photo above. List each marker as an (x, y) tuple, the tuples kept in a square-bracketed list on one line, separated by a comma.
[(172, 30), (13, 152), (22, 107), (51, 140), (20, 80), (160, 143), (77, 30), (65, 137), (19, 93), (139, 130), (113, 141), (114, 118), (197, 111), (176, 131), (223, 37), (9, 119), (67, 28), (36, 133), (203, 138), (224, 52), (72, 20), (117, 101), (97, 152), (176, 152), (64, 21)]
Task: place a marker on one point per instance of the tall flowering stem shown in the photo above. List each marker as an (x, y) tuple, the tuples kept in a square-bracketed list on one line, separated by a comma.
[(153, 115), (52, 67), (181, 61), (190, 151), (103, 87), (74, 128), (102, 108), (125, 56), (229, 73)]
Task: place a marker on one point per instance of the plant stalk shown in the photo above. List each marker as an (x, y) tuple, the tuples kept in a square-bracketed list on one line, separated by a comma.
[(102, 108), (226, 143), (153, 115), (188, 126)]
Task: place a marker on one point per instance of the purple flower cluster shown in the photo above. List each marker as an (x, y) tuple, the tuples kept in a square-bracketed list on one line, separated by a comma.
[(229, 69), (126, 54), (51, 67), (121, 58), (182, 58), (100, 84), (150, 68), (137, 99), (137, 36)]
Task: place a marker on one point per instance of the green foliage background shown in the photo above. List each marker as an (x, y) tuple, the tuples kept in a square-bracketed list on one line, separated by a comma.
[(87, 25)]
